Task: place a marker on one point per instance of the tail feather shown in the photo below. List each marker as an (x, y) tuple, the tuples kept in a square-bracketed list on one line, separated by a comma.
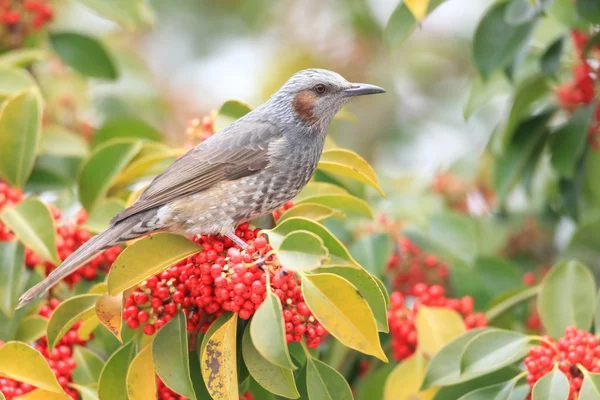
[(85, 253)]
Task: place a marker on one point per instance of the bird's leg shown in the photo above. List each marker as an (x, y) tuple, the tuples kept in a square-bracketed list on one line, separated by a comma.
[(237, 240)]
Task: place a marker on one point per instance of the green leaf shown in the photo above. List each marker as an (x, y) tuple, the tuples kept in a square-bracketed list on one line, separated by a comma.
[(342, 202), (20, 127), (58, 141), (31, 368), (31, 328), (170, 354), (89, 366), (498, 275), (368, 288), (338, 254), (519, 12), (325, 383), (84, 54), (86, 392), (550, 61), (113, 378), (105, 163), (67, 314), (13, 80), (267, 331), (436, 327), (403, 22), (494, 378), (131, 14), (493, 350), (218, 359), (552, 386), (99, 219), (569, 142), (147, 257), (590, 389), (343, 311), (12, 264), (589, 9), (349, 164), (496, 42), (273, 378), (372, 252), (33, 225), (500, 391), (510, 166), (371, 385), (229, 112), (565, 297), (312, 211), (141, 381), (301, 251), (444, 367), (125, 127), (483, 91)]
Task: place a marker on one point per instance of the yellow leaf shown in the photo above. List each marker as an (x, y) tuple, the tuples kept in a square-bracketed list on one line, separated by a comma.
[(143, 166), (109, 310), (349, 164), (342, 310), (40, 394), (31, 367), (436, 327), (318, 189), (141, 381), (418, 8), (147, 257), (98, 288), (87, 327), (404, 381), (219, 364), (312, 211)]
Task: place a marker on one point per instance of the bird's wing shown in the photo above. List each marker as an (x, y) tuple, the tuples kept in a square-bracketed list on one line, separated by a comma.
[(240, 150)]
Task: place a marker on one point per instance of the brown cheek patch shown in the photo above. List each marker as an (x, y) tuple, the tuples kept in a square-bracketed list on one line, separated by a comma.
[(303, 104)]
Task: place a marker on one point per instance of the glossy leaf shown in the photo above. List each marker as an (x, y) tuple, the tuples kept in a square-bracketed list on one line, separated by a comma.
[(20, 127), (13, 80), (131, 14), (338, 254), (32, 367), (170, 354), (552, 386), (403, 21), (218, 361), (103, 166), (267, 331), (589, 9), (67, 314), (319, 189), (566, 293), (32, 223), (99, 219), (84, 54), (569, 142), (113, 384), (312, 211), (86, 392), (147, 257), (273, 378), (343, 311), (12, 263), (58, 141), (437, 327), (31, 328), (496, 42), (144, 166), (493, 350), (550, 61), (369, 289), (590, 389), (405, 380), (325, 383), (351, 165), (40, 394), (341, 202), (229, 112), (141, 381), (89, 366), (301, 251), (500, 391), (125, 127), (519, 11), (109, 310), (372, 252)]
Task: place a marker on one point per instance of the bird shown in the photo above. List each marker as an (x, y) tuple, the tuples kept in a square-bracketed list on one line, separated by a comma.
[(246, 170)]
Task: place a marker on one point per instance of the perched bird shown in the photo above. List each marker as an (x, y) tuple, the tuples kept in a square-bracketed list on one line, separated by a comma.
[(246, 170)]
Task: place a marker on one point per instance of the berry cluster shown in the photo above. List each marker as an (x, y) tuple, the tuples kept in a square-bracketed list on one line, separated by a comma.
[(473, 198), (279, 212), (577, 347), (581, 89), (409, 266), (19, 18), (60, 359), (222, 278), (8, 196), (402, 318), (198, 130)]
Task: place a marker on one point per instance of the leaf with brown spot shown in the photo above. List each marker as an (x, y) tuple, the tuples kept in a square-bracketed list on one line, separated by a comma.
[(218, 361), (109, 310)]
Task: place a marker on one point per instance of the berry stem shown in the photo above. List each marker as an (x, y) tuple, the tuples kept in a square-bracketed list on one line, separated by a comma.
[(509, 303)]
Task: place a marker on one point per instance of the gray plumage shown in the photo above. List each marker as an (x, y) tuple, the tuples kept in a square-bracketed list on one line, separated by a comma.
[(244, 171)]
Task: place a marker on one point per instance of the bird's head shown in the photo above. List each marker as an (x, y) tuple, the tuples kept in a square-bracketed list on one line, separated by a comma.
[(316, 95)]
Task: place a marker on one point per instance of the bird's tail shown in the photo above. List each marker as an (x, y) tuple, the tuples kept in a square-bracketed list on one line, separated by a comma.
[(110, 237)]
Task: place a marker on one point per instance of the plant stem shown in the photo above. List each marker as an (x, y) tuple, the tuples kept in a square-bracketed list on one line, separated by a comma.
[(504, 306)]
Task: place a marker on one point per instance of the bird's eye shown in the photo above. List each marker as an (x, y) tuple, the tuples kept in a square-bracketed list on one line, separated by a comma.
[(320, 88)]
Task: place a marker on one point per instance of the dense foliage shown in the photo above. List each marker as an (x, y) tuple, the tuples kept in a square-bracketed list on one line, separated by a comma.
[(472, 285)]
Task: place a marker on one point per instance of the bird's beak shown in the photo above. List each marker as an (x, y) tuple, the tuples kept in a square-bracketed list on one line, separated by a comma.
[(361, 89)]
